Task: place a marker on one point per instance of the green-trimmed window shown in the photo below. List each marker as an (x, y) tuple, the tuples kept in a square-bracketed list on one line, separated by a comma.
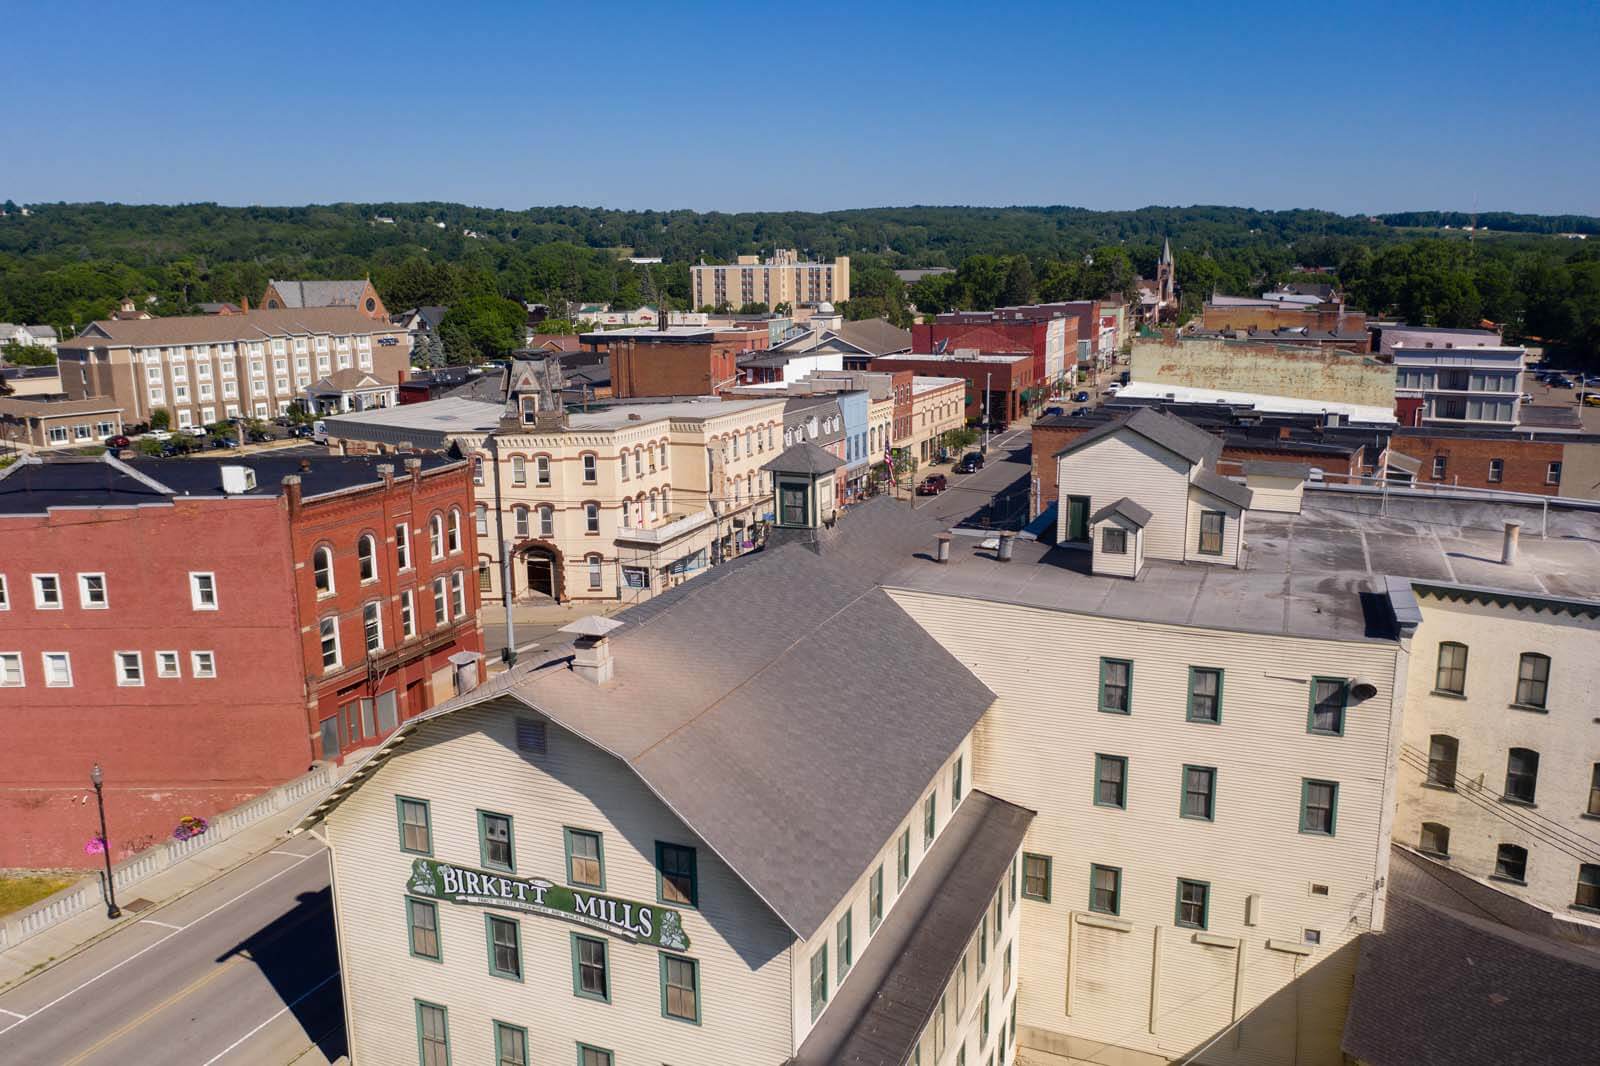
[(955, 783), (1111, 781), (510, 1045), (930, 807), (1011, 882), (1450, 676), (1199, 792), (902, 861), (1036, 877), (433, 1034), (983, 946), (1319, 806), (591, 969), (677, 875), (494, 841), (422, 921), (819, 981), (1105, 889), (1329, 698), (874, 901), (416, 828), (843, 931), (680, 988), (1194, 903), (586, 861), (1116, 686), (1205, 694), (1587, 897), (589, 1055), (505, 946), (999, 914)]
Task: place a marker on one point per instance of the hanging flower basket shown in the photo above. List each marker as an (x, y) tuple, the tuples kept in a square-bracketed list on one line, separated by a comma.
[(94, 846), (190, 827)]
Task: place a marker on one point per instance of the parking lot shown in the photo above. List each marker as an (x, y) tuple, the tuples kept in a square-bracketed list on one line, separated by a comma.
[(1544, 396)]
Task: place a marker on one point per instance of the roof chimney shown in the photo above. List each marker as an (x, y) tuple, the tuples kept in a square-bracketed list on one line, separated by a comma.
[(1508, 548), (941, 550), (591, 648), (1006, 539), (305, 464), (291, 492)]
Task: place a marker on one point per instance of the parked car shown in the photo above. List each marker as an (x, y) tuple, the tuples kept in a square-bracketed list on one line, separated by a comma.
[(118, 441), (156, 434), (195, 431), (1561, 383), (970, 463), (301, 430), (1080, 396), (223, 442), (1054, 411), (931, 485), (1079, 412), (1592, 400), (1114, 388), (1527, 397), (259, 436)]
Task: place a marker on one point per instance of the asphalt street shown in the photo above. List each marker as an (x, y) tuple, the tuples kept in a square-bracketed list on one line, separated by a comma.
[(242, 971)]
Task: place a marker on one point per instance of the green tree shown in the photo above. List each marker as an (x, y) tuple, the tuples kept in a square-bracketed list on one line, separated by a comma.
[(18, 354), (161, 418), (1020, 286), (482, 326)]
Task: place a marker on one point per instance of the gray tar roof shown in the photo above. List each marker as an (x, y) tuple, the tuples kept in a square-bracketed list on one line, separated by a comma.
[(426, 425), (803, 458), (1126, 508)]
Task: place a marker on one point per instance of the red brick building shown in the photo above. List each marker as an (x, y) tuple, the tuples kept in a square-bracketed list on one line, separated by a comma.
[(1009, 378), (1053, 342), (677, 361), (1483, 460), (202, 628)]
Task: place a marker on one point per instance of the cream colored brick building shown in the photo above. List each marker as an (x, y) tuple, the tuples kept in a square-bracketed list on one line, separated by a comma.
[(938, 405), (784, 278)]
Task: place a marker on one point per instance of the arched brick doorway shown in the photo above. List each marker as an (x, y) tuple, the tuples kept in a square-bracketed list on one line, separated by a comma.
[(540, 570)]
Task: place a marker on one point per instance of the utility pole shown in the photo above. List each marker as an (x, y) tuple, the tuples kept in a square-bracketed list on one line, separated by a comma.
[(508, 654), (986, 377)]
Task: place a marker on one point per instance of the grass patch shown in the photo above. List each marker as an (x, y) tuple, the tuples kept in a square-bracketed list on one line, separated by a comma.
[(19, 892)]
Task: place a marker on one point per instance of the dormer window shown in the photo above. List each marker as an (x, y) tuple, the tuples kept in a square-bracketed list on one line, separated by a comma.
[(530, 409)]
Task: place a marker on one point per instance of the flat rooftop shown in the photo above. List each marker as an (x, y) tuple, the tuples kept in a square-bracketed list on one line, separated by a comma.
[(1264, 402), (447, 415), (957, 357), (616, 416), (1317, 574)]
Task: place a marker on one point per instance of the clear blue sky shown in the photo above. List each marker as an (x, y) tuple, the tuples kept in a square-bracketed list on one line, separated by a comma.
[(719, 106)]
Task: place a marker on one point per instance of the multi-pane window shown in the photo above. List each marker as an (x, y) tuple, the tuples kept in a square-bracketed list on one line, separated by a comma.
[(843, 931), (441, 602), (1435, 839), (819, 981), (547, 522), (541, 469), (1036, 877), (416, 829), (585, 864), (1194, 899), (494, 832), (1110, 781), (130, 668), (408, 614), (1451, 675), (591, 977), (436, 536), (1199, 792), (11, 669), (678, 874), (402, 546), (1105, 889), (680, 988), (519, 470), (1522, 774), (591, 518), (47, 592), (519, 517), (929, 816), (1511, 862), (322, 570), (593, 1056), (875, 900), (433, 1034), (458, 595), (1211, 523), (422, 917), (372, 626), (596, 573), (505, 947), (57, 669), (455, 531), (92, 591), (367, 557), (1497, 470), (510, 1045), (1116, 685), (5, 594), (590, 468), (1588, 894), (202, 664), (1205, 694), (1533, 680), (328, 635), (1329, 696), (902, 858), (1442, 750), (1319, 806), (203, 591), (1114, 541)]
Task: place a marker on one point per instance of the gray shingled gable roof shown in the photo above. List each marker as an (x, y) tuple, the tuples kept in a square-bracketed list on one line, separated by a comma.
[(319, 293), (1223, 488), (1171, 432), (803, 458), (1126, 508)]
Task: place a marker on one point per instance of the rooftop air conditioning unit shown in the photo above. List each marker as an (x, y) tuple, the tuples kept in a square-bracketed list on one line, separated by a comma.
[(237, 479)]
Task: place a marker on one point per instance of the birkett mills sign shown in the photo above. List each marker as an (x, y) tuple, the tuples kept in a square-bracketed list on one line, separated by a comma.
[(639, 923)]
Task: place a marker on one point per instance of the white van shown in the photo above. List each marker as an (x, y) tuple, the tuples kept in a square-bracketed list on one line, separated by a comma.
[(319, 431)]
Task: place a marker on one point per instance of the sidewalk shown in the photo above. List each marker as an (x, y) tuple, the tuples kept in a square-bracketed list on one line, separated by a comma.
[(65, 939)]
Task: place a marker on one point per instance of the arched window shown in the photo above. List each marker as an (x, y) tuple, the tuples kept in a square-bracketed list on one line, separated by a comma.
[(547, 522), (455, 530), (627, 514), (1451, 675), (638, 462), (666, 499), (652, 505), (541, 468), (1435, 839), (482, 522), (1588, 897), (322, 570), (367, 557), (436, 536), (1533, 680), (749, 485), (595, 574), (663, 455), (1522, 775), (589, 470), (1442, 760), (519, 470), (735, 439), (520, 515), (624, 465), (747, 449), (1511, 863)]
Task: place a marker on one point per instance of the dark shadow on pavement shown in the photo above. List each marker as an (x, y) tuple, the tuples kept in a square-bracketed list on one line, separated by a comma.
[(296, 952)]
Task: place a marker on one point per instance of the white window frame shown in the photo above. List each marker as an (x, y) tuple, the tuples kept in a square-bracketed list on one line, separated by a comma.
[(209, 670), (436, 536), (402, 546), (38, 593), (122, 660), (408, 615), (327, 627), (372, 612), (177, 664), (369, 561), (66, 657), (547, 521), (441, 602), (5, 594), (14, 657), (195, 597), (453, 531), (458, 594)]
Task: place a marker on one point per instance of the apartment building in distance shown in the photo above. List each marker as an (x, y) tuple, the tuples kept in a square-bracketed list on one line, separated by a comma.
[(202, 368), (1464, 387), (207, 629), (784, 278)]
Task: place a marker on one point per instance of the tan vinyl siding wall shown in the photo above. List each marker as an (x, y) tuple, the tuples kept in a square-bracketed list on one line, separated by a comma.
[(1556, 834), (1036, 747), (1127, 464), (1232, 528), (1117, 565), (469, 762), (1277, 494), (966, 1028), (855, 900)]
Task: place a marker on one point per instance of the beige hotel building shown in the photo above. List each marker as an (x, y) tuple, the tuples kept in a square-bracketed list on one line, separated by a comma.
[(890, 794), (203, 368), (784, 278)]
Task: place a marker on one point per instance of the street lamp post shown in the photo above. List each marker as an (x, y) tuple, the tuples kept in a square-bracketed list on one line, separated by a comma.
[(98, 780)]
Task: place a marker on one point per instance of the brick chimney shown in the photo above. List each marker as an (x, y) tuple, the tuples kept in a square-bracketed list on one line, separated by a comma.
[(414, 465), (291, 492), (386, 471)]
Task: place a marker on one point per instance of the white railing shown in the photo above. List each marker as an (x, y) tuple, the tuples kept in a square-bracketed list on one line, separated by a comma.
[(1384, 488), (87, 893)]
